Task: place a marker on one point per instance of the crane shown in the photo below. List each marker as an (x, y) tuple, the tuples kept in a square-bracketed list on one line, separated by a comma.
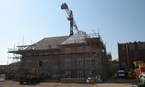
[(70, 18)]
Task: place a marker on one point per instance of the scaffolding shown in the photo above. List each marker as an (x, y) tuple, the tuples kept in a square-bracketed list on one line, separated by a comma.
[(13, 55), (43, 47)]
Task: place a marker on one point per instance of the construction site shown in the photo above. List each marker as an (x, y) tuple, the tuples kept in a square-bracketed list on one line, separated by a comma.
[(79, 57)]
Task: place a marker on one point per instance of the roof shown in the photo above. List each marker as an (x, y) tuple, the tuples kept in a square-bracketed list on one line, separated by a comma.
[(54, 42), (78, 37), (48, 43)]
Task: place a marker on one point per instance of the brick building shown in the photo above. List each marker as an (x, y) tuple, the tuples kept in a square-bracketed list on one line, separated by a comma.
[(11, 70), (75, 56), (130, 52)]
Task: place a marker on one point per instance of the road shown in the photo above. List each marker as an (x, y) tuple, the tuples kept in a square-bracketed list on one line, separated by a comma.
[(52, 84)]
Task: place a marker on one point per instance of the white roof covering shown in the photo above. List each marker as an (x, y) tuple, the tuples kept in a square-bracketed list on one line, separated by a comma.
[(78, 37)]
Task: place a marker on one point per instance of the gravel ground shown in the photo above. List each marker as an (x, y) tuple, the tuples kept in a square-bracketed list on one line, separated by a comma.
[(52, 84)]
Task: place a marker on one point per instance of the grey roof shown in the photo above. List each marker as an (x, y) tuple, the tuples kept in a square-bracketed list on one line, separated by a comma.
[(54, 42), (78, 37), (48, 43)]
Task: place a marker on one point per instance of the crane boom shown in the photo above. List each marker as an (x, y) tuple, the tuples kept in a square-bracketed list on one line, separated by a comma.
[(69, 12)]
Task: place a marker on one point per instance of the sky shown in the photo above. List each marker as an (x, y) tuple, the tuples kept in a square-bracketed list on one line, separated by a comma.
[(28, 21)]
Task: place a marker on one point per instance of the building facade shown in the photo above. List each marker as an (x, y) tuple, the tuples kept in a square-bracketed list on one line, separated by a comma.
[(77, 56), (129, 53)]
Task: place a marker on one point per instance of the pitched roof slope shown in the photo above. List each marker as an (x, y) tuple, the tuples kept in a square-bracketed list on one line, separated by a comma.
[(78, 37), (48, 43)]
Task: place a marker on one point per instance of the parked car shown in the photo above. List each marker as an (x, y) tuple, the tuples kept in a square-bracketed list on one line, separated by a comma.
[(121, 74)]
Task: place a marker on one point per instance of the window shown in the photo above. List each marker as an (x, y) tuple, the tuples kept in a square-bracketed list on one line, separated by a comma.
[(43, 63), (55, 69), (141, 45), (80, 62), (88, 62), (123, 47), (68, 50), (28, 65), (68, 74), (131, 47), (80, 74), (80, 49), (46, 53), (40, 63), (68, 62), (88, 48)]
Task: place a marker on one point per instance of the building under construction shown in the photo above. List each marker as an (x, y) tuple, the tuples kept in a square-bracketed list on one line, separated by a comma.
[(76, 56)]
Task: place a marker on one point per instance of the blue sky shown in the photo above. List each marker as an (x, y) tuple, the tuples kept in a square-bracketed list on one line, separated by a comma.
[(117, 21)]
